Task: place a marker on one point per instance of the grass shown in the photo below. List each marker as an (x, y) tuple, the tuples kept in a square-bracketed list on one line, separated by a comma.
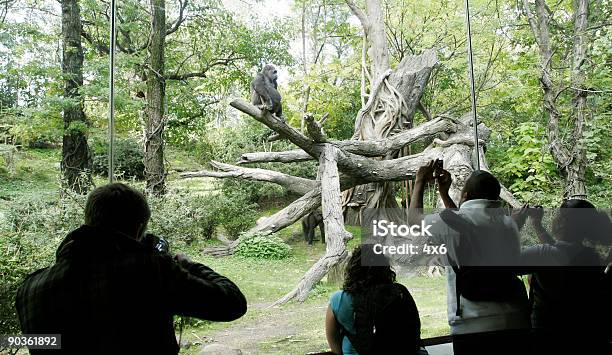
[(36, 173)]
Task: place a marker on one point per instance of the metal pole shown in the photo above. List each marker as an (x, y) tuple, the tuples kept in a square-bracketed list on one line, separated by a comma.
[(472, 89), (111, 89)]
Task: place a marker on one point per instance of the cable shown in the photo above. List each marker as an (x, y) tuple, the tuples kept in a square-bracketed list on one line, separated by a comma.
[(111, 100), (471, 72)]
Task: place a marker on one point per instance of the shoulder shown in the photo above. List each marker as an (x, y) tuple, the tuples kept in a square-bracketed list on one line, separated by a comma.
[(439, 229), (32, 278), (338, 298)]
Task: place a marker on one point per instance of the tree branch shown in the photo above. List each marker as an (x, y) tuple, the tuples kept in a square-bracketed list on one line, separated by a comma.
[(179, 21), (294, 184), (314, 129), (363, 18), (372, 148)]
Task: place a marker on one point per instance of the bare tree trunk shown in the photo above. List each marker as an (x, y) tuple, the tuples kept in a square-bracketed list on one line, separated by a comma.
[(75, 151), (155, 174), (335, 234)]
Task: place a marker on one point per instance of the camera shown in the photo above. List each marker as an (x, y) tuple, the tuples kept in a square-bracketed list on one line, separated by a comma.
[(156, 243)]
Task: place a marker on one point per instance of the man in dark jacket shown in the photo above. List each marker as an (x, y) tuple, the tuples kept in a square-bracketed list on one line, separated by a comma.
[(110, 292)]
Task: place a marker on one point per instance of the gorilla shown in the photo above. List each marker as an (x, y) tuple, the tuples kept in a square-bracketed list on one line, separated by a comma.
[(310, 223), (264, 91)]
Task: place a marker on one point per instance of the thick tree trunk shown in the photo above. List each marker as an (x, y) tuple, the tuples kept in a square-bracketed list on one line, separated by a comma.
[(569, 154), (392, 101), (575, 186), (75, 163), (155, 174), (335, 234)]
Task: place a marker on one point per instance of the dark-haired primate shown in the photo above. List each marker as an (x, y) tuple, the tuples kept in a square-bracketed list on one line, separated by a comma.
[(310, 223), (111, 291), (264, 91)]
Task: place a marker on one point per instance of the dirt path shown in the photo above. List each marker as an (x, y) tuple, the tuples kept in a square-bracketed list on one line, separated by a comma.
[(277, 330)]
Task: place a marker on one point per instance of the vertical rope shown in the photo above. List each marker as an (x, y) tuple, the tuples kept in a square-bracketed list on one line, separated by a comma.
[(111, 100), (471, 72)]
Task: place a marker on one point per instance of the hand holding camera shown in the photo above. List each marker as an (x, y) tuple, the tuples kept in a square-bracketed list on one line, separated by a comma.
[(157, 244)]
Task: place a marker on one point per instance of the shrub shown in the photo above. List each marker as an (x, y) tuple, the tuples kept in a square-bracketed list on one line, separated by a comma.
[(262, 246), (526, 163), (236, 214), (29, 235), (182, 218), (129, 158), (18, 257)]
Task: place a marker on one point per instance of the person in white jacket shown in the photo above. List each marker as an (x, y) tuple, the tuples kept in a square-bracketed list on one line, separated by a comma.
[(494, 319)]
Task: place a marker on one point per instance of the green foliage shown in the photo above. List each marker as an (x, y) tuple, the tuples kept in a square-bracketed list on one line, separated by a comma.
[(527, 164), (18, 257), (29, 235), (236, 214), (182, 217), (263, 246), (226, 144), (129, 158)]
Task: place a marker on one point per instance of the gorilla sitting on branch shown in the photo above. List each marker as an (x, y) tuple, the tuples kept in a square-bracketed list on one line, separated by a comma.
[(265, 95), (264, 91)]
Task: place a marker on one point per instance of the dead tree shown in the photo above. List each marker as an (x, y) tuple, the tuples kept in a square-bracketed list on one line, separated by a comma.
[(343, 165), (383, 128), (390, 103)]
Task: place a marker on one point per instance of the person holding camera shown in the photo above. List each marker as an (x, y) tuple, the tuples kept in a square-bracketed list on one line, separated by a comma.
[(114, 290), (487, 303)]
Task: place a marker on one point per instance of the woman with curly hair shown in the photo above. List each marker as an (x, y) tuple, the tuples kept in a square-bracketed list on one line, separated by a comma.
[(372, 314)]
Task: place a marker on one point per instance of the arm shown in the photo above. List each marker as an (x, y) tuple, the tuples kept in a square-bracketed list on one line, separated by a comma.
[(520, 216), (197, 291), (261, 88), (332, 332), (423, 176)]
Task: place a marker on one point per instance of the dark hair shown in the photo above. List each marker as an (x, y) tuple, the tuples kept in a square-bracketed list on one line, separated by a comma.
[(587, 223), (360, 278), (481, 185), (116, 206)]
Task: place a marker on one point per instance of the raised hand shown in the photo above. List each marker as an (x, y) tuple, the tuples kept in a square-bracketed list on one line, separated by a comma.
[(444, 180), (425, 172)]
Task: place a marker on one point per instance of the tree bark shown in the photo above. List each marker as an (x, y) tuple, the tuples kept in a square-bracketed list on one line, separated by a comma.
[(76, 161), (294, 184), (369, 148), (571, 161), (575, 186), (393, 98), (335, 234), (155, 174)]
